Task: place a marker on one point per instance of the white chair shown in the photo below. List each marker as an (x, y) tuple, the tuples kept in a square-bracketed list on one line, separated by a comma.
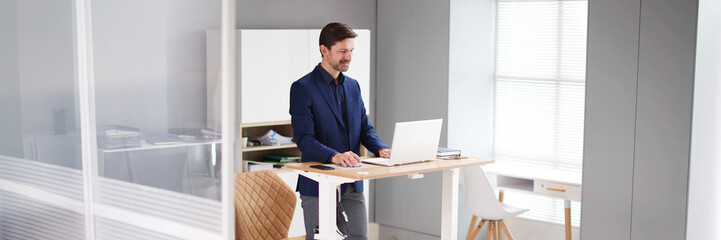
[(481, 201)]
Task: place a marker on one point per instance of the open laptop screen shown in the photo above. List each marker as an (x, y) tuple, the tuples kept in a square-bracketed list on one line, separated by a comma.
[(414, 141)]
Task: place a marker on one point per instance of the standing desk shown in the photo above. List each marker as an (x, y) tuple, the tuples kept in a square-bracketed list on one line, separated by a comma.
[(329, 180), (550, 182)]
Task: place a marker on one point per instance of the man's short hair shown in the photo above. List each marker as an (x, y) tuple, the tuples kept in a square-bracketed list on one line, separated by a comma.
[(335, 32)]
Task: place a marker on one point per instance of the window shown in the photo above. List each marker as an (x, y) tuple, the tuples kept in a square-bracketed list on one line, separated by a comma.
[(540, 85)]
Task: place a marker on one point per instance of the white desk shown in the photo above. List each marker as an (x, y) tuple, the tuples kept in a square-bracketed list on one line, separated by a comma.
[(329, 180), (554, 183), (211, 161)]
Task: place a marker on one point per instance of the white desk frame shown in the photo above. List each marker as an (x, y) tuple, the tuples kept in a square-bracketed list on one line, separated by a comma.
[(554, 183), (328, 184)]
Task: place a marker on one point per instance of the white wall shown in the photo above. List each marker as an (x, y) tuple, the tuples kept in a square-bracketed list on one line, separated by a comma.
[(186, 68), (471, 76), (45, 62), (471, 82), (130, 64), (704, 211), (10, 123), (149, 62)]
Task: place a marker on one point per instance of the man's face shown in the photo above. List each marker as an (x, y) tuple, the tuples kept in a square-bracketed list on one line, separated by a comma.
[(340, 54)]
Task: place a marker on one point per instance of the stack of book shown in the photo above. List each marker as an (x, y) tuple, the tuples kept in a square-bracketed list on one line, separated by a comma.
[(117, 136), (252, 166), (446, 153), (193, 134), (270, 161), (280, 158)]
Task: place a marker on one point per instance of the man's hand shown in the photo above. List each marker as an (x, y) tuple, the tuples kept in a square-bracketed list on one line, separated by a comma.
[(385, 152), (346, 159)]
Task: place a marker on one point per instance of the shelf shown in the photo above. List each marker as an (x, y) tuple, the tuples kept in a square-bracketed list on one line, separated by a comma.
[(263, 148), (257, 153), (263, 124)]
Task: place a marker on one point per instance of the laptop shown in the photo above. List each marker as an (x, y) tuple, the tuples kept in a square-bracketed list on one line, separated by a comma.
[(413, 142)]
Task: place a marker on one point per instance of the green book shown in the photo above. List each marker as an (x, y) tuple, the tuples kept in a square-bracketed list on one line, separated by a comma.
[(281, 158)]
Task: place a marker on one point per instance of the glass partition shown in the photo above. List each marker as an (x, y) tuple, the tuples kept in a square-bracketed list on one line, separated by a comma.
[(41, 187), (156, 157), (103, 133)]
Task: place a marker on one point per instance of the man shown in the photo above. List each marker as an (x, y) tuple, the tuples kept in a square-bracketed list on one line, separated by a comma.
[(329, 124)]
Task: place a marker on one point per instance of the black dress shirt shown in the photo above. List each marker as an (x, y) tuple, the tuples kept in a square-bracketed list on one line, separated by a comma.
[(338, 91)]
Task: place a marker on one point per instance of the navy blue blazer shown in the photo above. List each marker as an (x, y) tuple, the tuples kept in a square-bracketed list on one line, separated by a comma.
[(318, 126)]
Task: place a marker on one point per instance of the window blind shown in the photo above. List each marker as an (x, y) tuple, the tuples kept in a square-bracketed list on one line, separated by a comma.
[(540, 87)]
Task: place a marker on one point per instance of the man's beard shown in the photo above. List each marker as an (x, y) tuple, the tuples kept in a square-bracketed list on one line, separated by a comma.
[(338, 67)]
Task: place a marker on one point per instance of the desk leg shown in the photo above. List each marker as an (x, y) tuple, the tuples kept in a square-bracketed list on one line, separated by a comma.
[(567, 205), (326, 211), (213, 161), (327, 186), (449, 215)]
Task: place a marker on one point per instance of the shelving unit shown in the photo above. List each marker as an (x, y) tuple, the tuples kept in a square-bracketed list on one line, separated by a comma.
[(256, 153)]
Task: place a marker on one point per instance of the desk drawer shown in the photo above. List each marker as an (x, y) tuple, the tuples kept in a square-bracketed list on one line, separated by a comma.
[(565, 191)]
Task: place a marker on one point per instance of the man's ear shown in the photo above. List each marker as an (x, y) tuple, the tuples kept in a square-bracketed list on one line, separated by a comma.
[(323, 50)]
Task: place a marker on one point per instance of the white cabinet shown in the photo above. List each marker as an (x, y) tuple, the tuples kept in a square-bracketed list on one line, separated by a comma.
[(269, 61)]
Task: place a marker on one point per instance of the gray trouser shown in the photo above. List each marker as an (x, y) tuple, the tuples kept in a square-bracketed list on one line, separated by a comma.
[(355, 207)]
